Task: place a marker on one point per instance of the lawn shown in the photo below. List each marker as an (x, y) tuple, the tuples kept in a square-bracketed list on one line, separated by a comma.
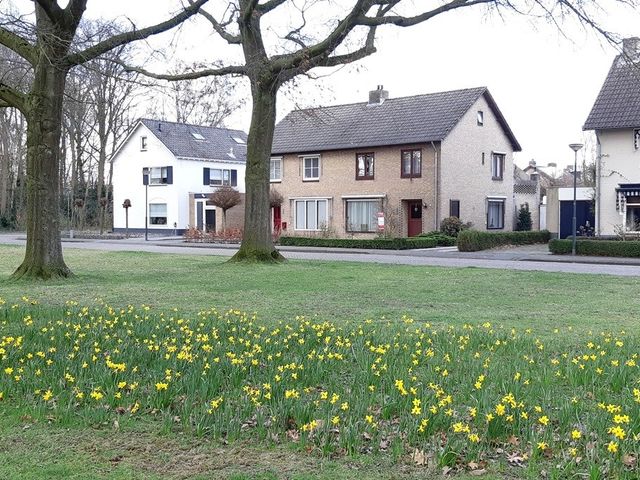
[(336, 371)]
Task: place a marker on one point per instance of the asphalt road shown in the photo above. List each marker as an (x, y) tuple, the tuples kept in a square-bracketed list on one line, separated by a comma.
[(530, 258)]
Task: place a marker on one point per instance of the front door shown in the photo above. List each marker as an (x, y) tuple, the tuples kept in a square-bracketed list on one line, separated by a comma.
[(414, 226), (210, 220), (277, 219)]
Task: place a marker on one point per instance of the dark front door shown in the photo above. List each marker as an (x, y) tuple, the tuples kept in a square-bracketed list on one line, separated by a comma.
[(210, 219), (414, 226), (277, 218)]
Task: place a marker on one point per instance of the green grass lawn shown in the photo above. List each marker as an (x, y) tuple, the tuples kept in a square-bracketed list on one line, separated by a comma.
[(67, 436), (337, 291)]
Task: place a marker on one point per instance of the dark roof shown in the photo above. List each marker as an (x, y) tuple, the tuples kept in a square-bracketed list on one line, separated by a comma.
[(215, 144), (618, 103), (397, 121)]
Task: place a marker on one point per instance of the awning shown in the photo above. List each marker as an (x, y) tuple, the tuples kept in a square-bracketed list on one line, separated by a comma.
[(625, 190)]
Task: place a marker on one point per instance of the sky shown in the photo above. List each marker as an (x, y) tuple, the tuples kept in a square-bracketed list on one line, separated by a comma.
[(544, 80)]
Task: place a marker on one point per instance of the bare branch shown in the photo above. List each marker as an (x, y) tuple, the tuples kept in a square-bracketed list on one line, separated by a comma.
[(266, 7), (18, 44), (220, 27), (207, 72), (52, 9), (133, 35), (402, 21), (13, 97)]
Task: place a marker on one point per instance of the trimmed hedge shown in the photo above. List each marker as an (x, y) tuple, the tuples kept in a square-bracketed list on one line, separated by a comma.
[(442, 239), (602, 248), (473, 240), (374, 243)]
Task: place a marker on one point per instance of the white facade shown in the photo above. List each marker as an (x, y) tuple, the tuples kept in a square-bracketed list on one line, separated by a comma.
[(188, 182), (618, 166)]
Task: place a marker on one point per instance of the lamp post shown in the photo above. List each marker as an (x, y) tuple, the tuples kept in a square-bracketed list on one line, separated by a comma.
[(575, 147), (145, 180)]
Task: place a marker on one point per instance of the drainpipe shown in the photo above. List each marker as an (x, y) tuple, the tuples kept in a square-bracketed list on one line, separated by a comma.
[(598, 182), (436, 192)]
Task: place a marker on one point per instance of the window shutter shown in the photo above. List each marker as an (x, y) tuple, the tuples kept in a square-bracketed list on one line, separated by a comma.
[(169, 175), (234, 178), (145, 178), (206, 179)]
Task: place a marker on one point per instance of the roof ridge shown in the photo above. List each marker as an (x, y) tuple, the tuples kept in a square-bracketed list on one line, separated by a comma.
[(143, 119)]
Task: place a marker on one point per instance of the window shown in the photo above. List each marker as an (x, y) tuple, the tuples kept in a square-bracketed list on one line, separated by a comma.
[(311, 214), (495, 213), (480, 118), (311, 168), (220, 176), (364, 166), (159, 176), (362, 215), (636, 138), (411, 163), (158, 213), (143, 144), (275, 169), (197, 136), (239, 140), (454, 208), (497, 166)]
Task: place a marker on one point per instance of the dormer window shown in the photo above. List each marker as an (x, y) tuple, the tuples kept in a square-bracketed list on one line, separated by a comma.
[(480, 118), (143, 144), (197, 136)]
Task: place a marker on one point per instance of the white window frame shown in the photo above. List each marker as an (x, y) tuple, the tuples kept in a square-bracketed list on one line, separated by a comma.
[(223, 180), (166, 215), (627, 227), (498, 200), (320, 224), (304, 168), (273, 178), (498, 159), (162, 179), (143, 143), (374, 223)]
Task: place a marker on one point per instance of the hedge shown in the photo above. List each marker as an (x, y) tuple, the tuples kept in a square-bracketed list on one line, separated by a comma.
[(473, 240), (603, 248), (442, 239), (374, 243)]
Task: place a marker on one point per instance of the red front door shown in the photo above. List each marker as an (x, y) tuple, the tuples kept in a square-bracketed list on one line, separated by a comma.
[(414, 225), (277, 219)]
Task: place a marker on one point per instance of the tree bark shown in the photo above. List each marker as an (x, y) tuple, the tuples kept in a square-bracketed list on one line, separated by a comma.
[(43, 257), (257, 242)]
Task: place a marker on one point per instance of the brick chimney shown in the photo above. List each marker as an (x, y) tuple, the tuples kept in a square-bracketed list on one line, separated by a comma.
[(631, 48), (378, 96)]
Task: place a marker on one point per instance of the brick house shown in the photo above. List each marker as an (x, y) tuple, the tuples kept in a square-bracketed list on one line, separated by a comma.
[(615, 118), (184, 165), (416, 160)]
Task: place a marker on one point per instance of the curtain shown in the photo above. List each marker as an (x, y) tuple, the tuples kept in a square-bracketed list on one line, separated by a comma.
[(362, 215)]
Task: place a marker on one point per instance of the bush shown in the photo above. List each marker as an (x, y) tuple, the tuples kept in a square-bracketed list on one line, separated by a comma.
[(441, 239), (452, 226), (603, 248), (524, 219), (374, 243), (473, 240)]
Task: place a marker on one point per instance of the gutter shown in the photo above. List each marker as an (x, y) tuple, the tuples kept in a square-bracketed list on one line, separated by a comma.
[(436, 193)]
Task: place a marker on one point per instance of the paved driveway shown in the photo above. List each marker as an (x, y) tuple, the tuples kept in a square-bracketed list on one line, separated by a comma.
[(532, 257)]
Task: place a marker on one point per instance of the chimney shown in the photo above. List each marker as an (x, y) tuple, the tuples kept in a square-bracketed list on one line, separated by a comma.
[(532, 163), (631, 48), (378, 96)]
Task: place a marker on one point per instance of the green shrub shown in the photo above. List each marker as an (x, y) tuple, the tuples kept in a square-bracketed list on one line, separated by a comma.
[(441, 239), (603, 248), (373, 243), (473, 240), (452, 226), (524, 219)]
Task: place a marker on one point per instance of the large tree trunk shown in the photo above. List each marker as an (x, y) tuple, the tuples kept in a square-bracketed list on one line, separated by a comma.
[(43, 258), (257, 242)]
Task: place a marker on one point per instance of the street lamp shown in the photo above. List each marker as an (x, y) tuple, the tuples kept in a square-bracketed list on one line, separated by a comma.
[(575, 147), (145, 179)]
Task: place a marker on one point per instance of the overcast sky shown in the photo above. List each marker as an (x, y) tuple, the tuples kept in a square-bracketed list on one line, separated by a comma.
[(544, 82)]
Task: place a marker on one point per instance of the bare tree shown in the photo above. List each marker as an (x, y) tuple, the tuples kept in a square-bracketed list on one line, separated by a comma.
[(47, 44), (343, 35), (224, 198)]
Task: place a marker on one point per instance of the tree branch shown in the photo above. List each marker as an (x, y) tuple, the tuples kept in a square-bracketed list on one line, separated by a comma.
[(401, 21), (266, 7), (18, 44), (133, 35), (219, 27), (207, 72), (12, 97), (74, 11), (52, 9)]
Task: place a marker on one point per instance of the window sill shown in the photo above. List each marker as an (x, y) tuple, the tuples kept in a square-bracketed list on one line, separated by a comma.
[(159, 184), (497, 179), (365, 178), (410, 176), (495, 228), (311, 179), (276, 181)]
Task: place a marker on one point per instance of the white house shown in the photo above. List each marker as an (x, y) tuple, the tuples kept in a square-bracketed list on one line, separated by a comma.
[(615, 117), (169, 169)]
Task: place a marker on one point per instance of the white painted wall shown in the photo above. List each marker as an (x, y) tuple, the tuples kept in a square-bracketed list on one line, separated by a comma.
[(465, 178), (187, 178), (620, 163)]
